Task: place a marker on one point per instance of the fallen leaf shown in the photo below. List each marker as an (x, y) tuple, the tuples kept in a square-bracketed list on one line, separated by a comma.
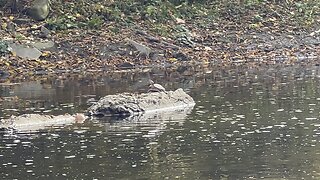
[(207, 48), (46, 53), (4, 25), (180, 21), (172, 59)]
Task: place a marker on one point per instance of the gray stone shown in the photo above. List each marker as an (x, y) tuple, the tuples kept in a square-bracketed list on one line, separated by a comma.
[(11, 28), (24, 51), (43, 45), (142, 49), (39, 9), (44, 32)]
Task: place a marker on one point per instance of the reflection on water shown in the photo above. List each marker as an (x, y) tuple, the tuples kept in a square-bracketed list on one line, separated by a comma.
[(247, 124)]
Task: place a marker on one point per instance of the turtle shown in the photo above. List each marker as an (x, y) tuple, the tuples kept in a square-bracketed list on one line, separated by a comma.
[(153, 87)]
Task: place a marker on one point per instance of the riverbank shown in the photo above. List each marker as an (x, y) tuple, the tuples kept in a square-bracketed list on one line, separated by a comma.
[(85, 37)]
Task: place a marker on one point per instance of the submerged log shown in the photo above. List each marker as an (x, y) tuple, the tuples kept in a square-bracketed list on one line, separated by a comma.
[(127, 104), (35, 122), (136, 106)]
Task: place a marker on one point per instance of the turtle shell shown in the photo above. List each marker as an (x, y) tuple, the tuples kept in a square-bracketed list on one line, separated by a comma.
[(157, 87)]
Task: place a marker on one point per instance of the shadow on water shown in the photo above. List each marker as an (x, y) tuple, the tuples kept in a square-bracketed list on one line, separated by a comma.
[(248, 122)]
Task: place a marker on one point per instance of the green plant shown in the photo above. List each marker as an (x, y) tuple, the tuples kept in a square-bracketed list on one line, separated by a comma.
[(3, 47), (61, 23), (19, 37), (253, 2), (306, 11), (95, 22)]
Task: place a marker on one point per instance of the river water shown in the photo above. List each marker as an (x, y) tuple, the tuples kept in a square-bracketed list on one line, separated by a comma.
[(248, 123)]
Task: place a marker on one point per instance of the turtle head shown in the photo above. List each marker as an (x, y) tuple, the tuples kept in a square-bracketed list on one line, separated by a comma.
[(151, 82)]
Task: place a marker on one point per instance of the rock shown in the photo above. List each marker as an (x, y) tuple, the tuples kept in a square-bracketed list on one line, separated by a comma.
[(181, 56), (142, 49), (24, 51), (43, 45), (44, 32), (39, 9), (127, 104), (11, 28)]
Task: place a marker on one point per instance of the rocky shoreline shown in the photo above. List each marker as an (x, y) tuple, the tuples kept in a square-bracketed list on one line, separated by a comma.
[(33, 48)]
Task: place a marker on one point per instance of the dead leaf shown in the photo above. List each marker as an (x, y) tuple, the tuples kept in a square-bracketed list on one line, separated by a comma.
[(172, 59), (4, 25), (207, 48), (180, 21), (46, 54)]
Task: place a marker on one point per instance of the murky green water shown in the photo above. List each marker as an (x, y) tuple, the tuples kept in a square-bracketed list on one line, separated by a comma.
[(247, 124)]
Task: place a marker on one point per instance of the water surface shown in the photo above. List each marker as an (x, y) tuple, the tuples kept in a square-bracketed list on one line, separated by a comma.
[(248, 123)]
